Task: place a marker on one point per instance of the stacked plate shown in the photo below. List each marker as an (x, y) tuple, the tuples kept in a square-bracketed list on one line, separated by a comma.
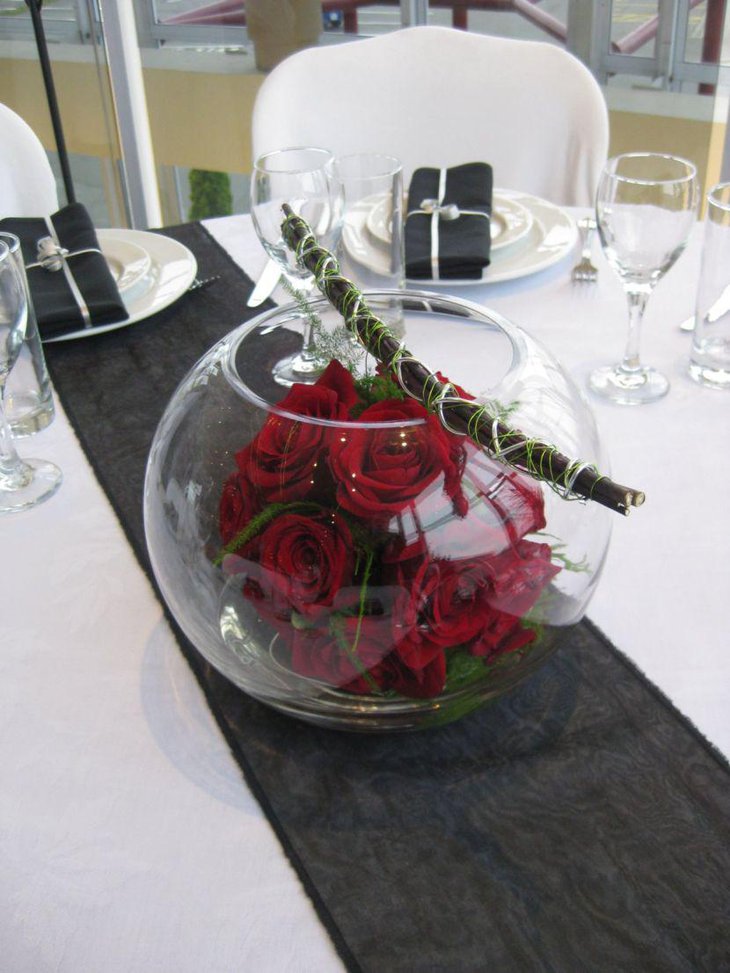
[(151, 272), (529, 234)]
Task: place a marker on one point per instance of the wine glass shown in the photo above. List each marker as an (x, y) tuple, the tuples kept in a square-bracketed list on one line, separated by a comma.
[(23, 483), (646, 205), (301, 178)]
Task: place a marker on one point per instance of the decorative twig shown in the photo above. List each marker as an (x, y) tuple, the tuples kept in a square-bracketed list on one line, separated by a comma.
[(482, 423)]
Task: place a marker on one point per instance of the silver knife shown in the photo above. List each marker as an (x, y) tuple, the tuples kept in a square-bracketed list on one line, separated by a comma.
[(266, 284), (715, 312)]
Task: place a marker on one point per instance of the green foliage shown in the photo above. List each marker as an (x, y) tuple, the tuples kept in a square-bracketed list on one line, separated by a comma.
[(376, 388), (257, 524), (463, 668), (210, 194)]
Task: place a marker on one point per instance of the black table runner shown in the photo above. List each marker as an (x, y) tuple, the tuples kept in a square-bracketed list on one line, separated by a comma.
[(578, 824)]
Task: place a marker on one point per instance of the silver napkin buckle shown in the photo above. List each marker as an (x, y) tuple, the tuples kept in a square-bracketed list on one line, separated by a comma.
[(444, 211), (52, 256)]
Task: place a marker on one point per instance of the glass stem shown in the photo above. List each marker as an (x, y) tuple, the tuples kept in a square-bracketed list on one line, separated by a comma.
[(301, 292), (637, 297), (308, 344)]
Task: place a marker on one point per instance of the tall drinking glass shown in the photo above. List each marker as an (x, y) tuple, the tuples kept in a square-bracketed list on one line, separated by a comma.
[(646, 205), (371, 251), (23, 483), (28, 395), (299, 177), (709, 360)]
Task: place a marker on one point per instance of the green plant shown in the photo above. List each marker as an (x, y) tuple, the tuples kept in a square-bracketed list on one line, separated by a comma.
[(210, 194)]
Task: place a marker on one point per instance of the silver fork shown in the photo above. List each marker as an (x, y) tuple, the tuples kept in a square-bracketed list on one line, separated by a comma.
[(200, 283), (584, 271)]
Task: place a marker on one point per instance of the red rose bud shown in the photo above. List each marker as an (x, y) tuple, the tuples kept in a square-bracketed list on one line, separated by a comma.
[(502, 634), (304, 562), (381, 471), (519, 576), (285, 461), (515, 500), (237, 506)]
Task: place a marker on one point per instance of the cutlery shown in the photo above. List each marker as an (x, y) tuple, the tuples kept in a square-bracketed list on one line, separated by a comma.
[(584, 271), (266, 284), (201, 282), (716, 311)]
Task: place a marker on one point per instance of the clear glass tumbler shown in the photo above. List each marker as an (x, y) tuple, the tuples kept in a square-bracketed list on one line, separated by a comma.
[(709, 360), (28, 395)]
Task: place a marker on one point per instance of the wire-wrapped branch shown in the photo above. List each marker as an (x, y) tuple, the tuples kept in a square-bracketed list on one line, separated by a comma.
[(482, 423)]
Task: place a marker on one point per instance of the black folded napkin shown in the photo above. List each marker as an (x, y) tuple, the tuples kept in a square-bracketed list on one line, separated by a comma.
[(448, 222), (80, 292)]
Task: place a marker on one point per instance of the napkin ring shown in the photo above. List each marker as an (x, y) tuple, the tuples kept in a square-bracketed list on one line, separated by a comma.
[(444, 211), (438, 211), (52, 256)]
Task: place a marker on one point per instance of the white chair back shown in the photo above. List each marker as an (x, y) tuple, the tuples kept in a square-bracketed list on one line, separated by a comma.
[(437, 96), (27, 183)]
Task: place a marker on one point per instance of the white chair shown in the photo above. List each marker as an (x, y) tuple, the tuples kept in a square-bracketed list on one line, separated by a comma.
[(438, 96), (27, 183)]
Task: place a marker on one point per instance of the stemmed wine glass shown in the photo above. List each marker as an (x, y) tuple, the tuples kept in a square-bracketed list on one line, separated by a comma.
[(646, 205), (23, 483), (300, 177)]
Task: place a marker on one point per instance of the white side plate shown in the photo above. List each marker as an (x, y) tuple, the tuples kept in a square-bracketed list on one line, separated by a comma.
[(172, 269), (127, 262), (551, 237), (510, 222)]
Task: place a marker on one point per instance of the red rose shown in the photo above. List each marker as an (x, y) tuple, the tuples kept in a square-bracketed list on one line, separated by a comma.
[(474, 602), (285, 461), (351, 658), (303, 562), (503, 633), (320, 655), (421, 683), (381, 471), (237, 506), (337, 378), (519, 575), (448, 607), (513, 500)]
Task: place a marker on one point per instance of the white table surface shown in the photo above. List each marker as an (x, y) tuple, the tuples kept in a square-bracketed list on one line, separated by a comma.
[(128, 839)]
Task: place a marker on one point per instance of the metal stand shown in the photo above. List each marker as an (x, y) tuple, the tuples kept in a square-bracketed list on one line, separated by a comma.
[(40, 39)]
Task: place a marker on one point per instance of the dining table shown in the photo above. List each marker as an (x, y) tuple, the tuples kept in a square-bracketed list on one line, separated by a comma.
[(135, 832)]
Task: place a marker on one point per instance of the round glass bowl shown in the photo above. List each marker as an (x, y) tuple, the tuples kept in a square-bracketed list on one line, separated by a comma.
[(339, 555)]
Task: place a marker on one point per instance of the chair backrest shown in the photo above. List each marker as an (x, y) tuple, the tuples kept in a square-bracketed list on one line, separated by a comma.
[(27, 183), (438, 96)]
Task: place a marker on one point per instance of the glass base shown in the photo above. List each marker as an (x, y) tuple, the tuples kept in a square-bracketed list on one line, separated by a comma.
[(711, 378), (27, 417), (297, 368), (37, 481), (617, 384)]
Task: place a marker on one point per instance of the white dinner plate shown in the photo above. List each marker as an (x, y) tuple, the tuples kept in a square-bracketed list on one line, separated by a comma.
[(551, 237), (510, 222), (172, 269), (128, 262)]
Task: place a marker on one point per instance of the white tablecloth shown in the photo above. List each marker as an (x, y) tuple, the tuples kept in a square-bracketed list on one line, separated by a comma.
[(128, 839)]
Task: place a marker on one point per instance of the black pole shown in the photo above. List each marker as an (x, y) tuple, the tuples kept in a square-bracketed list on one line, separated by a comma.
[(40, 39)]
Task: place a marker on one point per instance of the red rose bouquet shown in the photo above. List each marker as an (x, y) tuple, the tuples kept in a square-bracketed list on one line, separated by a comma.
[(388, 555)]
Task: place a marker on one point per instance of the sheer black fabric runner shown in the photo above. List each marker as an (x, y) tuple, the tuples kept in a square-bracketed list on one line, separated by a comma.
[(579, 824)]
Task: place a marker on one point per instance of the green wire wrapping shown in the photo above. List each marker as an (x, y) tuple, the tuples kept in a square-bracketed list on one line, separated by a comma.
[(483, 423)]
